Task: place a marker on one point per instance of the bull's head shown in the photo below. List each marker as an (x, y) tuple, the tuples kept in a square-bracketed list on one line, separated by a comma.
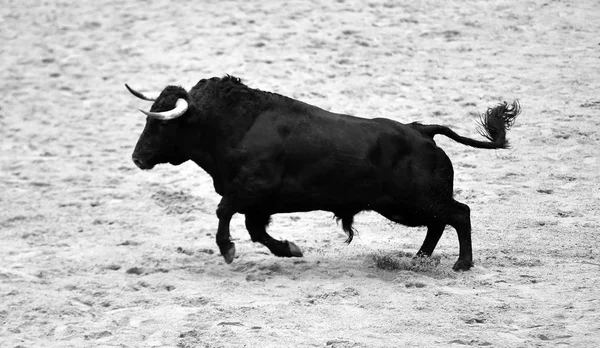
[(162, 138)]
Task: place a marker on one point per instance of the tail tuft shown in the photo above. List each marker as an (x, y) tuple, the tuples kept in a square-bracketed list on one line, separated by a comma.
[(494, 123)]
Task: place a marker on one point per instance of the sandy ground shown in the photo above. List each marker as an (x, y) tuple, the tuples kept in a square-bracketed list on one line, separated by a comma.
[(96, 253)]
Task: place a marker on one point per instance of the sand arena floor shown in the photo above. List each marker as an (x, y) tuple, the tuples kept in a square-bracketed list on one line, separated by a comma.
[(96, 253)]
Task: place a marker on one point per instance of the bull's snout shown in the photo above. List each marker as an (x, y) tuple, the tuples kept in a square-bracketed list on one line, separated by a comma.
[(140, 163)]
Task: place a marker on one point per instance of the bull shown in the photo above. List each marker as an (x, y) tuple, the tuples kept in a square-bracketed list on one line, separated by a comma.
[(269, 154)]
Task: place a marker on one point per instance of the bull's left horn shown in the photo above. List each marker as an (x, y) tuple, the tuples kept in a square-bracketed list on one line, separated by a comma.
[(181, 107), (140, 95)]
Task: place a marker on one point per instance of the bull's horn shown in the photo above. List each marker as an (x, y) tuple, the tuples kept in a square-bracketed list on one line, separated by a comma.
[(181, 107), (140, 95)]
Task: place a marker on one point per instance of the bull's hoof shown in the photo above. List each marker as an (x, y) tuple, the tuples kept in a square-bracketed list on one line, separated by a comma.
[(462, 265), (420, 255), (294, 250), (229, 254)]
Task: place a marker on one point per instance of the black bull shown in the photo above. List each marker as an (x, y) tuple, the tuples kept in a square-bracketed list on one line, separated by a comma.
[(270, 154)]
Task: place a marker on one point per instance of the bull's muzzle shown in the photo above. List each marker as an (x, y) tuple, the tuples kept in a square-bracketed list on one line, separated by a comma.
[(141, 163)]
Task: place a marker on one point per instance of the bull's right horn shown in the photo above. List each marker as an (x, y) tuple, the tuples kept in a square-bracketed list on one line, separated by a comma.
[(140, 95), (181, 107)]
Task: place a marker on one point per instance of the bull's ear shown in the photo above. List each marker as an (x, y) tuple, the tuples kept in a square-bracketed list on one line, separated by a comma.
[(194, 116)]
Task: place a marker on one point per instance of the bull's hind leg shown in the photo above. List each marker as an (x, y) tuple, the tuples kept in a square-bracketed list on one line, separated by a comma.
[(256, 224), (434, 232), (460, 219)]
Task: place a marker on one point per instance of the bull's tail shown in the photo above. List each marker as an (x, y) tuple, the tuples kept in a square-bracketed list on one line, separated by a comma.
[(493, 125)]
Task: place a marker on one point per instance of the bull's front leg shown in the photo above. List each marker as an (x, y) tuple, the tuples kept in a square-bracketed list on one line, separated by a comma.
[(256, 225), (225, 212)]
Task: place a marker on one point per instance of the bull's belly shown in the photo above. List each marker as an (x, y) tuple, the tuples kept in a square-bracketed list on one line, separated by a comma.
[(339, 188), (328, 196)]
